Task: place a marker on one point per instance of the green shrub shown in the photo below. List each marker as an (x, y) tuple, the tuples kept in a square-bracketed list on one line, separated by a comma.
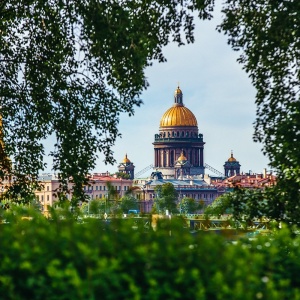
[(122, 259)]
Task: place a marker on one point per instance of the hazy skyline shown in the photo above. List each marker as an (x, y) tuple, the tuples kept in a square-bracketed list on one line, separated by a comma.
[(215, 89)]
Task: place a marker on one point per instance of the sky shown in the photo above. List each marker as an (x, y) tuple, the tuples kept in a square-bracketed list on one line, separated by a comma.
[(215, 89)]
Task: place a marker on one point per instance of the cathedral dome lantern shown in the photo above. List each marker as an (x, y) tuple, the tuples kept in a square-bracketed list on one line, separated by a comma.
[(178, 96)]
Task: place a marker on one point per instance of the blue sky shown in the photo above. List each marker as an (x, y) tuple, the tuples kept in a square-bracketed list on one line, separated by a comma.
[(215, 89)]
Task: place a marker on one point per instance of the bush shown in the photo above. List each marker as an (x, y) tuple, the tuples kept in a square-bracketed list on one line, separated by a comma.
[(62, 259)]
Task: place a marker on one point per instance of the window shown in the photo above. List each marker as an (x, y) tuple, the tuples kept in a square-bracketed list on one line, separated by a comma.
[(119, 188), (42, 198), (104, 188), (48, 188), (48, 198), (100, 188), (96, 187)]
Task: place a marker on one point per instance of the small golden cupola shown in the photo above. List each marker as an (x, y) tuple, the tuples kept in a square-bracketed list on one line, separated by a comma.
[(231, 158), (182, 157), (126, 160)]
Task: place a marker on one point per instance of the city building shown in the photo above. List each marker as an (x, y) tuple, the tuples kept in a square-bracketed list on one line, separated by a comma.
[(246, 180), (178, 159), (96, 189), (195, 188)]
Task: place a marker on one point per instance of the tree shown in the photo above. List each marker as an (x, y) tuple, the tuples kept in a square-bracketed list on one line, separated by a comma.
[(189, 205), (166, 198), (122, 175), (244, 205), (68, 69), (112, 197), (128, 202), (96, 206), (268, 34)]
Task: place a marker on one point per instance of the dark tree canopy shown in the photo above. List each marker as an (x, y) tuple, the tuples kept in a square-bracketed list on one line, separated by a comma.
[(166, 198), (69, 68), (268, 33), (189, 205)]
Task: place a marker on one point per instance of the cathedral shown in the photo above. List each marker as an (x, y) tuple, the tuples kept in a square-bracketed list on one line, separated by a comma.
[(178, 147)]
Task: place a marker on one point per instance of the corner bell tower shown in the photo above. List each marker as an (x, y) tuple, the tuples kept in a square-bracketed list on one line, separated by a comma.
[(127, 167), (231, 166)]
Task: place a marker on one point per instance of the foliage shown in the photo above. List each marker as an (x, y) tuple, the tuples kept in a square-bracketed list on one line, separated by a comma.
[(244, 205), (268, 33), (113, 197), (68, 69), (96, 206), (62, 259), (221, 205), (19, 191), (166, 197), (128, 202), (122, 175), (189, 205)]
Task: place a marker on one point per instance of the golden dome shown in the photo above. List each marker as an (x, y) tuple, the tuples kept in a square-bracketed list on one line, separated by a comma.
[(126, 160), (178, 115), (231, 158), (181, 157)]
